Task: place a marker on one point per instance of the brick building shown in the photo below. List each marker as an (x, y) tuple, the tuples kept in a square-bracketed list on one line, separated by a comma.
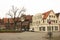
[(23, 25)]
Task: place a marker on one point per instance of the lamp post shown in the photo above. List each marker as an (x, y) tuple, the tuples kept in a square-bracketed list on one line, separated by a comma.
[(49, 33)]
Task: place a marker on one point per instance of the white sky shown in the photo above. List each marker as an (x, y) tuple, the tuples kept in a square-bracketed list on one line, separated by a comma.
[(32, 6)]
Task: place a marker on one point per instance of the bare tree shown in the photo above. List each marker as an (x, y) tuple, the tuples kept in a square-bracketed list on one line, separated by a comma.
[(13, 12)]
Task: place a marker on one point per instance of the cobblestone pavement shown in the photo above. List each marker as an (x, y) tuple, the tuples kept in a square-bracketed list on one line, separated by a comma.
[(25, 36)]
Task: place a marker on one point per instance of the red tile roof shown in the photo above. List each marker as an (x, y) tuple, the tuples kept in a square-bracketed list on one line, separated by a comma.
[(6, 20), (11, 20), (46, 14), (28, 17)]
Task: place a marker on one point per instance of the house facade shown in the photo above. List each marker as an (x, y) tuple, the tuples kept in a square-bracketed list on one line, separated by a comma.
[(45, 22), (2, 26), (58, 16), (8, 23)]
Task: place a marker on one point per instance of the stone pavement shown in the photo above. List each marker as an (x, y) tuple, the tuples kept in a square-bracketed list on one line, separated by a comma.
[(25, 36)]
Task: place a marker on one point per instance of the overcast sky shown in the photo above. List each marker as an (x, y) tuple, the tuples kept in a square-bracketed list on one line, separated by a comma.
[(32, 6)]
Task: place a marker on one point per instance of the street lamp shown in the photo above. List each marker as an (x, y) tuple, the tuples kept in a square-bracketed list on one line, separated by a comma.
[(49, 33)]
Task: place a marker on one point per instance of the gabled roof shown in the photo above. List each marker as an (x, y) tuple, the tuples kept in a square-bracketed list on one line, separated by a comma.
[(46, 14)]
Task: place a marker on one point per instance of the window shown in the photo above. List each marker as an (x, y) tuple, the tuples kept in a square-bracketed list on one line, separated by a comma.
[(33, 29), (49, 15), (54, 16), (56, 21), (49, 28), (42, 28), (53, 21), (49, 21), (52, 28), (43, 21), (56, 27)]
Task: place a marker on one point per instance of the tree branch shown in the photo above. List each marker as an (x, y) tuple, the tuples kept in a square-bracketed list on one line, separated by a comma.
[(10, 14), (22, 10)]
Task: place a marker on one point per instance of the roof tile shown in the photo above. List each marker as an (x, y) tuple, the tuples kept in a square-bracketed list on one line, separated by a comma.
[(46, 14)]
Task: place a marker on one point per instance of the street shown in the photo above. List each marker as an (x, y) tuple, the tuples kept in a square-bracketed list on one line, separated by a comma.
[(25, 36)]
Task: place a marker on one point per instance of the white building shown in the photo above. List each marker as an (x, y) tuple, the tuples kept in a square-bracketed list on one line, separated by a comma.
[(40, 22)]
